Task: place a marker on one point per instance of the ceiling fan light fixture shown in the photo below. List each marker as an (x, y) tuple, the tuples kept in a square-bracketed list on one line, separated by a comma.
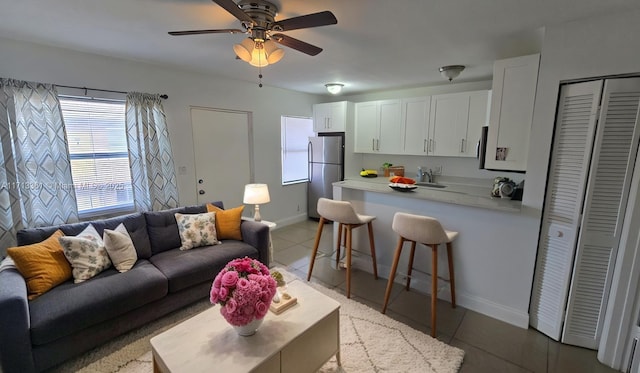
[(244, 49), (274, 54), (451, 72), (334, 88)]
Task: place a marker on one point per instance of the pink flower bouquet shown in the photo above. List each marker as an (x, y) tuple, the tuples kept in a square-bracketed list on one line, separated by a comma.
[(244, 289)]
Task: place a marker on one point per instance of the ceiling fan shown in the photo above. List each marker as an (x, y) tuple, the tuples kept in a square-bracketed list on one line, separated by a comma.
[(257, 18)]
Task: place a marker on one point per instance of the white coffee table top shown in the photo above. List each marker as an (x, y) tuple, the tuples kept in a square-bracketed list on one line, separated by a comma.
[(207, 341)]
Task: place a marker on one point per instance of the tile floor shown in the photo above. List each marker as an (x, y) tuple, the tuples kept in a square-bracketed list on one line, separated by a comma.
[(490, 345)]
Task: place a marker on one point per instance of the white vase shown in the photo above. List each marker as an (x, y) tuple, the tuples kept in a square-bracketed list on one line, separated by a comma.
[(248, 329)]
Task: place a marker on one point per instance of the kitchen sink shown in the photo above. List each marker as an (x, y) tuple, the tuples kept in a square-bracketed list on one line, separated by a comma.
[(430, 185)]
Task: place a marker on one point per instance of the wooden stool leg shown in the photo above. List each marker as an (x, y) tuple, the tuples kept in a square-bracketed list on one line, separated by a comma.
[(392, 275), (452, 277), (413, 251), (434, 287), (338, 245), (373, 251), (348, 248), (315, 247)]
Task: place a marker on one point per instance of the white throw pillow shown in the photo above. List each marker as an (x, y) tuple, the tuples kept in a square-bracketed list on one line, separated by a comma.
[(7, 263), (197, 230), (120, 248), (86, 253)]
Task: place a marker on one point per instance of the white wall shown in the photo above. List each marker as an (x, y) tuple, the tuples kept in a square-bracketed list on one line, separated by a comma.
[(33, 62)]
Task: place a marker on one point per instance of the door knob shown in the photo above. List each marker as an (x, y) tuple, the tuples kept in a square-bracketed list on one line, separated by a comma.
[(201, 191)]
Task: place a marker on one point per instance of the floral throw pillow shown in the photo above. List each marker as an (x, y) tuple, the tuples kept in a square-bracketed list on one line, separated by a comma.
[(86, 253), (197, 230)]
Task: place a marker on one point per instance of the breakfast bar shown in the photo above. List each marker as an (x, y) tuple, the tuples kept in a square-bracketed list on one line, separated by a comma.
[(494, 265)]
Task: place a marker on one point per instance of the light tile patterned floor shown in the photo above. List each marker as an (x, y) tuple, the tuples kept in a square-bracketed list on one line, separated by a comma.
[(491, 345)]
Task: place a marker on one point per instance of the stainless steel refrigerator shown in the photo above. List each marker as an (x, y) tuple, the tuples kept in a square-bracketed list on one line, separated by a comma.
[(326, 166)]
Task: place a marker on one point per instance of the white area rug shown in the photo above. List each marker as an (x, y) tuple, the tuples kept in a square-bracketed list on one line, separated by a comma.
[(369, 340)]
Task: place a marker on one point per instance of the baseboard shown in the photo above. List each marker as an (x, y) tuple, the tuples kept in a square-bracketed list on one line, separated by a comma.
[(422, 281), (291, 220)]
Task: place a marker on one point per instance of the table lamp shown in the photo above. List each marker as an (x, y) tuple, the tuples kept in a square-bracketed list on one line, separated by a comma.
[(256, 194)]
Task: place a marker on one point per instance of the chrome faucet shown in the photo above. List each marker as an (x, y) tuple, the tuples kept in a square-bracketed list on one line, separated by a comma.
[(422, 174)]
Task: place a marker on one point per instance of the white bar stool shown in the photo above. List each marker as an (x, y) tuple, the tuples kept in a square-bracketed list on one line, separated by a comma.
[(343, 213), (428, 231)]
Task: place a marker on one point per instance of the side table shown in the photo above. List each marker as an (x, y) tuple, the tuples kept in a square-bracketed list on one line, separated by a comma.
[(271, 226)]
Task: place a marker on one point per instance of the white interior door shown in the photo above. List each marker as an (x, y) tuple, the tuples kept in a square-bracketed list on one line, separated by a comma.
[(608, 184), (573, 141), (222, 147)]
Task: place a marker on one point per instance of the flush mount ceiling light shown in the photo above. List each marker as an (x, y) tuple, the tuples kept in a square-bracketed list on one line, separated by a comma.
[(334, 88), (452, 71)]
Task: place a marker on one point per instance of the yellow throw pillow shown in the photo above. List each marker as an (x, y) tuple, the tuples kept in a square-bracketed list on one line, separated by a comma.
[(43, 265), (227, 222)]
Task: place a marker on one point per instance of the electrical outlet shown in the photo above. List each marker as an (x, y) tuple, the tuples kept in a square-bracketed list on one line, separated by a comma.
[(437, 170)]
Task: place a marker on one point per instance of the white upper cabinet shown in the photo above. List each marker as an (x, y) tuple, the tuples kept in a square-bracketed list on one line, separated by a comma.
[(378, 127), (514, 90), (330, 117), (415, 117), (456, 123)]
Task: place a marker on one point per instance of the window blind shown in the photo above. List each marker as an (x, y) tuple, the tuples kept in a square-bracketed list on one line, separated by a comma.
[(295, 134), (98, 151)]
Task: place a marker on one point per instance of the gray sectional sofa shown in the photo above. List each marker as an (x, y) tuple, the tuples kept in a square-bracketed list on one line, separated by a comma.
[(73, 318)]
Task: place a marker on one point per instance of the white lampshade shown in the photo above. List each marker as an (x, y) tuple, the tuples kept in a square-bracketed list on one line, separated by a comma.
[(244, 49), (256, 194), (274, 54)]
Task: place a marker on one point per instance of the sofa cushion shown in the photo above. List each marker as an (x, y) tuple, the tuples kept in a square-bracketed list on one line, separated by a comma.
[(191, 267), (136, 225), (70, 307), (86, 253), (43, 265), (197, 230), (227, 222), (163, 228), (120, 248)]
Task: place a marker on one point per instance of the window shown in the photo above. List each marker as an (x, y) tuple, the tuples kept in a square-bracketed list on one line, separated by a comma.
[(295, 132), (98, 153)]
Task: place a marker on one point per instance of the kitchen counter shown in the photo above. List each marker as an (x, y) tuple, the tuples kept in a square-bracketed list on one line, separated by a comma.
[(494, 254), (458, 191)]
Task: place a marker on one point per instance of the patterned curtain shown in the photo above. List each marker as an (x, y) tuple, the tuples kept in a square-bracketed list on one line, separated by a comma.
[(36, 188), (152, 171)]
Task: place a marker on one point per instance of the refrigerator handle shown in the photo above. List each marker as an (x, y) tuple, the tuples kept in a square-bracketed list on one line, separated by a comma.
[(309, 152)]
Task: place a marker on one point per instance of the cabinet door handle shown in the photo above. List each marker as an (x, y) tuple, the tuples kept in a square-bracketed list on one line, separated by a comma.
[(462, 146), (424, 146), (328, 123), (373, 144), (378, 144)]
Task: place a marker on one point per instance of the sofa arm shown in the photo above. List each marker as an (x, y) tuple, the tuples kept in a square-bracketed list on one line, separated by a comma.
[(15, 337), (257, 235)]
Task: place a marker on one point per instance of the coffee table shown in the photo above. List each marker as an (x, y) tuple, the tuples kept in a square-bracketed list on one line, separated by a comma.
[(301, 339)]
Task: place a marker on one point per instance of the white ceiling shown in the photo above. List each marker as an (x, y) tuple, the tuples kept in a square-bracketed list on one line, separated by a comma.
[(376, 45)]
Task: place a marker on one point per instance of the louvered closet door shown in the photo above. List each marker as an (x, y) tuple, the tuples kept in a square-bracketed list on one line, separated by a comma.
[(609, 179), (573, 141)]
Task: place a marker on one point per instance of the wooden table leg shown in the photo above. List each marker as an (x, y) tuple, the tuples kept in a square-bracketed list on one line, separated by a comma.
[(434, 287)]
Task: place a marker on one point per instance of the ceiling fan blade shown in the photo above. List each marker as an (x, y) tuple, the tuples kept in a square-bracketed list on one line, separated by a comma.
[(231, 7), (310, 20), (296, 44), (198, 32)]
